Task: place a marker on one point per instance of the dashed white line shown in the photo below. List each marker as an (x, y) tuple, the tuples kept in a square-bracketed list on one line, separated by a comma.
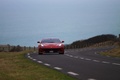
[(34, 59), (47, 64), (29, 57), (39, 61), (67, 54), (57, 68), (116, 64), (96, 61), (81, 58), (70, 56), (72, 73), (105, 62), (87, 59), (75, 56), (91, 79)]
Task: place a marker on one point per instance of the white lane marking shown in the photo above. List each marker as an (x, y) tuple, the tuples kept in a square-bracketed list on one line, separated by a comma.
[(67, 54), (72, 73), (116, 64), (58, 68), (96, 61), (75, 56), (87, 59), (70, 56), (29, 56), (47, 64), (34, 59), (39, 61), (91, 79), (105, 62), (81, 58)]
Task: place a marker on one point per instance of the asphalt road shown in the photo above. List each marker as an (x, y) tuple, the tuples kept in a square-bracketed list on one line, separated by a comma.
[(84, 64)]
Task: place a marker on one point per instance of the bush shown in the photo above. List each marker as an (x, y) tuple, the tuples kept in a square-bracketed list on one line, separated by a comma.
[(17, 48)]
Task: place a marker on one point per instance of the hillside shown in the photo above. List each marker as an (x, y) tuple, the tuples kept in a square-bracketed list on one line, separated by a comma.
[(96, 40), (114, 52)]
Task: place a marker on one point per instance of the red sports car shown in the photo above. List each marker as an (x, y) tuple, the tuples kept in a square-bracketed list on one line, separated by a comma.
[(50, 46)]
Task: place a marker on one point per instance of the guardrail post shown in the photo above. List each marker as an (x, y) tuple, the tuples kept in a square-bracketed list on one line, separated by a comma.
[(24, 48), (8, 47), (2, 49), (34, 48), (29, 47)]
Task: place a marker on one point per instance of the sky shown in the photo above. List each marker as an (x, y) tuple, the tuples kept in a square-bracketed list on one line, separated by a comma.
[(24, 22)]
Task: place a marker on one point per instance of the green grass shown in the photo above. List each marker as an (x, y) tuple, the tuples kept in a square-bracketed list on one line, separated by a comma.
[(114, 52), (14, 66)]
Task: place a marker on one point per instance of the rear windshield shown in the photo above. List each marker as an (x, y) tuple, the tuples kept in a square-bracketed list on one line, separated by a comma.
[(51, 41)]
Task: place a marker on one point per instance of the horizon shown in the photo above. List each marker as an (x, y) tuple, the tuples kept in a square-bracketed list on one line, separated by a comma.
[(64, 44)]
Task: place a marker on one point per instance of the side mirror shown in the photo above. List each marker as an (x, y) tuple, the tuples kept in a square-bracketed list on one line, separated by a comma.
[(38, 42), (62, 41)]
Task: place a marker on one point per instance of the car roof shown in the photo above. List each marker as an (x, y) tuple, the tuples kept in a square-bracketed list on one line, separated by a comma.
[(49, 38)]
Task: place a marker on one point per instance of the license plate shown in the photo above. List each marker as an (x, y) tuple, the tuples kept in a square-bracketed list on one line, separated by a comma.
[(51, 51)]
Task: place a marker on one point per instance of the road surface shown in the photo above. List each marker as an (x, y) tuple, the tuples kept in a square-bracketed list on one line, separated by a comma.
[(84, 64)]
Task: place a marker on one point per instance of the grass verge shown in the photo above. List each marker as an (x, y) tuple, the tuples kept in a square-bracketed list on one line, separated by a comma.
[(14, 66), (114, 52)]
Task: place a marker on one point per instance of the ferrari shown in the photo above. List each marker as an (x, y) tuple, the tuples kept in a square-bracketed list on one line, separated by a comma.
[(50, 45)]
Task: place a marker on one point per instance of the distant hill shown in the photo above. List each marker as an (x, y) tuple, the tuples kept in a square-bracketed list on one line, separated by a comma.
[(95, 40)]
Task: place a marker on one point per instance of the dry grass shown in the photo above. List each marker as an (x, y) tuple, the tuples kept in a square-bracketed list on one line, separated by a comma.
[(114, 52), (14, 66)]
